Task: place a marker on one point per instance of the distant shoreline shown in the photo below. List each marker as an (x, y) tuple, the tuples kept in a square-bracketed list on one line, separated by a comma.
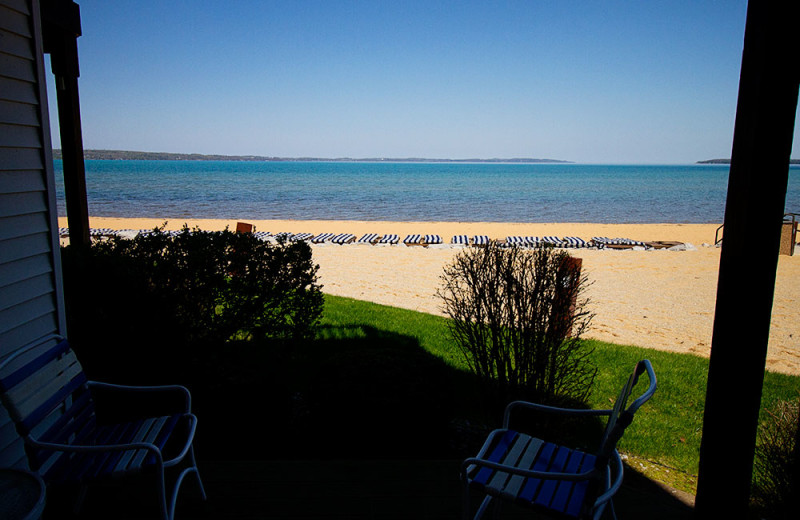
[(728, 161), (125, 155)]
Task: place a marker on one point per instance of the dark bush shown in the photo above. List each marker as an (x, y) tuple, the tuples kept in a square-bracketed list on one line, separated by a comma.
[(776, 469), (517, 315), (164, 292)]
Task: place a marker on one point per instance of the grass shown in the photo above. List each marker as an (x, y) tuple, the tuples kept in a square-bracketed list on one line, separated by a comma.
[(664, 439)]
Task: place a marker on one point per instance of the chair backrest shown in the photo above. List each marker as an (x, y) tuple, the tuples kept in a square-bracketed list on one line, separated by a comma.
[(621, 417), (45, 392)]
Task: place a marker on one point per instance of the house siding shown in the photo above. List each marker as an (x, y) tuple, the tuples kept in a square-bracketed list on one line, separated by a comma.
[(31, 301)]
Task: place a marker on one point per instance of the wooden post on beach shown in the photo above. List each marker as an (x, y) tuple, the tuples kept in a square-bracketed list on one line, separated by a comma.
[(244, 227), (762, 143), (61, 27)]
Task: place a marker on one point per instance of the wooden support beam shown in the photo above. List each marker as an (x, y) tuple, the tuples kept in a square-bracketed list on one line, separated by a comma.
[(762, 143), (61, 29)]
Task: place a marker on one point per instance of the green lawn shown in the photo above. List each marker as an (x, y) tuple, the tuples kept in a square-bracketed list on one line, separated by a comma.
[(667, 430)]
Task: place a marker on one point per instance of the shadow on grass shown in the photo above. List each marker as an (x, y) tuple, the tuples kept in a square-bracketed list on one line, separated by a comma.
[(355, 395)]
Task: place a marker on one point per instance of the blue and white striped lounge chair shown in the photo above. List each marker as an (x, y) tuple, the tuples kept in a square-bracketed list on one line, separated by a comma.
[(431, 240), (262, 235), (300, 237), (550, 477), (553, 241), (322, 238), (343, 238), (413, 240), (102, 232), (480, 240), (369, 238), (281, 236), (51, 402), (390, 239), (533, 241), (515, 241), (127, 233), (63, 232), (575, 242), (460, 240), (618, 243)]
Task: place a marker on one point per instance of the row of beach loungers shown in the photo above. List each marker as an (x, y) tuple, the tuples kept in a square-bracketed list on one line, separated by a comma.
[(413, 240)]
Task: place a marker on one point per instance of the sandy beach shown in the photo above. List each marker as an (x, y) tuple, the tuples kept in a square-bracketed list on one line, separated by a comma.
[(657, 299)]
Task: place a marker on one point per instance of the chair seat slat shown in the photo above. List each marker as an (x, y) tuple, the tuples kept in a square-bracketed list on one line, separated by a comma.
[(565, 487), (531, 488), (43, 378), (138, 433), (30, 420), (28, 368), (73, 420), (578, 494), (511, 458), (548, 487), (482, 477), (514, 486), (151, 436)]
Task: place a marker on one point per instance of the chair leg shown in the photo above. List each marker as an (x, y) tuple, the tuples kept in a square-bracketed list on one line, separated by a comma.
[(76, 507), (197, 474), (483, 507)]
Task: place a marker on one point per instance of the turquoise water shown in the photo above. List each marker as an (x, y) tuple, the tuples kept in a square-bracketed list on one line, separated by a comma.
[(488, 192)]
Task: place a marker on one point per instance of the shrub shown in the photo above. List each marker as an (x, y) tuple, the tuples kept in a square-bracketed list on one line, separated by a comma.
[(189, 288), (776, 468), (517, 316)]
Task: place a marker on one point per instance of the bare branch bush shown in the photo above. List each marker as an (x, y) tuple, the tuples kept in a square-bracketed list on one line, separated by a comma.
[(518, 315)]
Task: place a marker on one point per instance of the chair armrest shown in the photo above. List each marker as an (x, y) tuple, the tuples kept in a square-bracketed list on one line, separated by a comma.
[(475, 461), (96, 448), (549, 409), (148, 390)]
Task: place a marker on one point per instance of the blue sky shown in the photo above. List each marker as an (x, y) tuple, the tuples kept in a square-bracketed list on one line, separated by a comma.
[(585, 81)]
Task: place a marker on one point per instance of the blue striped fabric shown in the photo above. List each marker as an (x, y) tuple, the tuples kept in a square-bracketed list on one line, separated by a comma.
[(412, 239), (575, 242), (324, 237), (507, 447), (389, 239), (343, 238), (432, 239), (369, 238), (480, 240), (460, 240)]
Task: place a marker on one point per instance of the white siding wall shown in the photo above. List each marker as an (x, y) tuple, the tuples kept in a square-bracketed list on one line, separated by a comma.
[(31, 302)]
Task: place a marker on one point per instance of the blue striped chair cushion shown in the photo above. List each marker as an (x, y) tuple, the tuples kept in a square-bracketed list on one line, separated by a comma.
[(324, 237), (480, 240), (81, 467), (369, 238), (343, 238), (389, 239), (460, 240), (522, 451)]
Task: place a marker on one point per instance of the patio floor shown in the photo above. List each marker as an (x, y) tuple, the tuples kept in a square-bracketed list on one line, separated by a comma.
[(352, 489)]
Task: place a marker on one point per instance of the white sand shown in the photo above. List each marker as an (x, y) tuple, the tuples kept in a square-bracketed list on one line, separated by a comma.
[(656, 299)]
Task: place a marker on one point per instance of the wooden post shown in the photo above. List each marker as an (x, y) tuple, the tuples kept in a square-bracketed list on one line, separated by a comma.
[(61, 27), (759, 172), (243, 227)]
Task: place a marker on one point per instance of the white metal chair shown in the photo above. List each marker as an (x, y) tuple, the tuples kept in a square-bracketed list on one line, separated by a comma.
[(52, 405), (555, 479)]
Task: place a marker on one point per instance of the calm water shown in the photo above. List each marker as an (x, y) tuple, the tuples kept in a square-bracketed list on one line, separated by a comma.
[(410, 191)]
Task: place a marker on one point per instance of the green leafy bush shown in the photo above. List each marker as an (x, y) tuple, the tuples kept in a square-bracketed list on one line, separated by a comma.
[(191, 288), (776, 482), (517, 316)]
